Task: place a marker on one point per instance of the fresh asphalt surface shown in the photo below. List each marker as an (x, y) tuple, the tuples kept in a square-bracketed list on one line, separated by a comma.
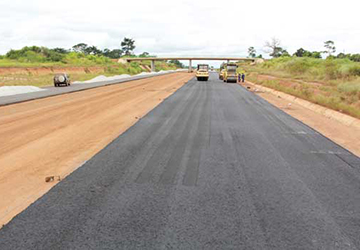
[(212, 167)]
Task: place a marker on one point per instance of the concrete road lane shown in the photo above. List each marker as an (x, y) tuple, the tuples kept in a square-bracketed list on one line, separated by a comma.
[(54, 91), (212, 167)]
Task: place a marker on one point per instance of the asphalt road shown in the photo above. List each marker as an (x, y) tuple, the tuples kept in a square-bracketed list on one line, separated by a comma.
[(212, 167)]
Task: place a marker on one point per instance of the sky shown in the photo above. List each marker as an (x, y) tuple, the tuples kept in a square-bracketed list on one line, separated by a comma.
[(184, 28)]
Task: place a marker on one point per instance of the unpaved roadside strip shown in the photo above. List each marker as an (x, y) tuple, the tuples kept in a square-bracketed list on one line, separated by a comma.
[(52, 91), (53, 136), (340, 128)]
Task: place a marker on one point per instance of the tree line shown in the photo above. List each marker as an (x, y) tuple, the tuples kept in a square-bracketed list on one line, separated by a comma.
[(127, 47), (43, 54), (275, 50)]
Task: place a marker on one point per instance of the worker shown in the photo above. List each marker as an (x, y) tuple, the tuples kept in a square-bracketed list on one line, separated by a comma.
[(243, 77), (239, 77)]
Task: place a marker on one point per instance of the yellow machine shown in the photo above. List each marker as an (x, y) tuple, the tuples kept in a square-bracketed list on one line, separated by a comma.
[(221, 74), (202, 72), (230, 74), (221, 71)]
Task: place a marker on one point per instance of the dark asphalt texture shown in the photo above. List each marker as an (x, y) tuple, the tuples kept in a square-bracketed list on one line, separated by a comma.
[(54, 91), (212, 167)]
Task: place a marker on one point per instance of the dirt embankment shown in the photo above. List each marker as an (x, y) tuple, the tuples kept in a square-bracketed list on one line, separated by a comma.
[(54, 136)]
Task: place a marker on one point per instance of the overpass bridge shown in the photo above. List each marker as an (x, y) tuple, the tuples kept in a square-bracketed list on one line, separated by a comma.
[(153, 59)]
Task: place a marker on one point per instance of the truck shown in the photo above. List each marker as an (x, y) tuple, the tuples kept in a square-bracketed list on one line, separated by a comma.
[(230, 74), (221, 71), (202, 72), (61, 79)]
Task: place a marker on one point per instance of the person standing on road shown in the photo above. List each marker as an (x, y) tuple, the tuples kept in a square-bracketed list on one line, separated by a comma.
[(239, 73), (242, 77)]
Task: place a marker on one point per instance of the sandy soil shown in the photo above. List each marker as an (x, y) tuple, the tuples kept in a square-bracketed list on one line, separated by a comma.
[(54, 136), (347, 137)]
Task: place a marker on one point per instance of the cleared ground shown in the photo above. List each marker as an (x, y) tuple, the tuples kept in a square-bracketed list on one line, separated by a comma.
[(53, 136), (212, 167)]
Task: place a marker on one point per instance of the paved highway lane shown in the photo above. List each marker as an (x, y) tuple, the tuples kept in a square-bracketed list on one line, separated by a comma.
[(212, 167), (54, 91)]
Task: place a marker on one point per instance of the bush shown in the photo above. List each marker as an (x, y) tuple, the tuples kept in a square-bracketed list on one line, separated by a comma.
[(35, 54), (31, 56), (354, 70), (134, 68), (298, 66), (77, 58), (52, 55), (349, 88), (311, 68), (331, 69), (306, 91), (355, 57), (116, 70)]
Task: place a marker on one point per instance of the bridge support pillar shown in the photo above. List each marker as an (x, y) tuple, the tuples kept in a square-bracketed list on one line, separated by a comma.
[(190, 66), (228, 61), (152, 65)]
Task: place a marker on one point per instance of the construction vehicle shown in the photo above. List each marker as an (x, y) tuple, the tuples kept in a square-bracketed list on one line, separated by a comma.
[(221, 74), (202, 72), (221, 71), (230, 72)]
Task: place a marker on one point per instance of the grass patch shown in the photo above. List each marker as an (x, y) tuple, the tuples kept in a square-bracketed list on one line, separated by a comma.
[(338, 94)]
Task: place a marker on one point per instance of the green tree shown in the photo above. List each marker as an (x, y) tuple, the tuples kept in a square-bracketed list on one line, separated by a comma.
[(330, 47), (305, 53), (284, 53), (60, 50), (177, 63), (52, 55), (252, 52), (92, 50), (114, 54), (128, 46), (106, 52), (144, 54), (300, 52), (355, 57), (352, 57), (342, 56), (316, 54), (80, 47)]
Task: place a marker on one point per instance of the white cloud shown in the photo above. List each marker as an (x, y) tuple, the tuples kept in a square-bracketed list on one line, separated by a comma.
[(180, 27)]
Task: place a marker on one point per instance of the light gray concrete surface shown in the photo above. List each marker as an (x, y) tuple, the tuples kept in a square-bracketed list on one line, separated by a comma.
[(212, 167), (53, 91)]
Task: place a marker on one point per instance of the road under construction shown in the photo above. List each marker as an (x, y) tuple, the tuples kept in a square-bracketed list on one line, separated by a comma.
[(170, 162)]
